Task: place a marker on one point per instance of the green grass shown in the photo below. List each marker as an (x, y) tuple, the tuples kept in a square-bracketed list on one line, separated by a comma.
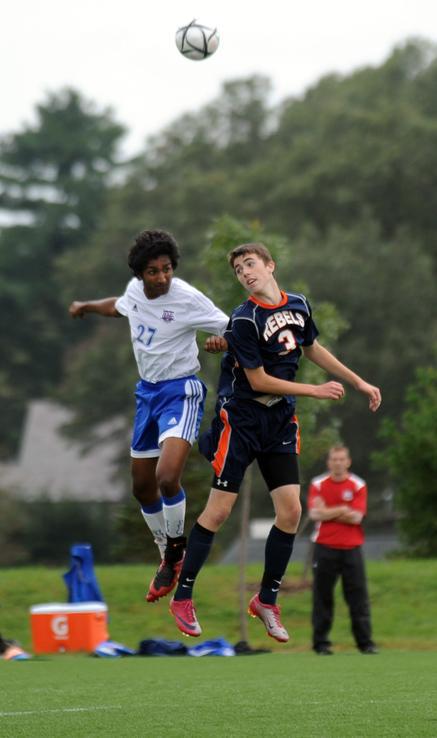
[(403, 596), (302, 695), (290, 692)]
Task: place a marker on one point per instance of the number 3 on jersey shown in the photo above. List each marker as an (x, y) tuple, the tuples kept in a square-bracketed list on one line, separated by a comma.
[(286, 337), (149, 336)]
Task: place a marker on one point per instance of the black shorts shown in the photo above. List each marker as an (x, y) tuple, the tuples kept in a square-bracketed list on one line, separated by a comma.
[(245, 430)]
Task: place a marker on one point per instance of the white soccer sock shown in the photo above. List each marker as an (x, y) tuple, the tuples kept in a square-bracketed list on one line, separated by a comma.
[(155, 520), (174, 514)]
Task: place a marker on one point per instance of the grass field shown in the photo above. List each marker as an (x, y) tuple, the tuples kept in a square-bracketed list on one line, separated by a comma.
[(403, 596), (289, 692), (302, 695)]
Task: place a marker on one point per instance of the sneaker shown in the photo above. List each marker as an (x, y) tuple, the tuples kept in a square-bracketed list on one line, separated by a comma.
[(370, 649), (270, 615), (185, 615), (323, 651), (164, 580)]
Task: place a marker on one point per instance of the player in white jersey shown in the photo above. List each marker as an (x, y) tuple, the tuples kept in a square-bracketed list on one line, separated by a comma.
[(164, 313)]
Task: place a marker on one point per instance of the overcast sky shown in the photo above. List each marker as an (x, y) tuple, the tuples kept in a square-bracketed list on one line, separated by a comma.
[(122, 54)]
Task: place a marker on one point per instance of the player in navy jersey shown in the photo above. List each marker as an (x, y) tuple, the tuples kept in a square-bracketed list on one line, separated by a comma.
[(164, 313), (255, 419)]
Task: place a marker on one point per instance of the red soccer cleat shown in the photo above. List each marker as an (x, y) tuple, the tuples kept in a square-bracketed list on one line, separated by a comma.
[(185, 616), (164, 580), (270, 616)]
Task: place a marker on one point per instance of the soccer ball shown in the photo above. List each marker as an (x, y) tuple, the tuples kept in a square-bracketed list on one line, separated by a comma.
[(196, 41)]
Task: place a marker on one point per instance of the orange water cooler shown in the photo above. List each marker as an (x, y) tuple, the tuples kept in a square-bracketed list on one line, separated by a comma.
[(58, 627)]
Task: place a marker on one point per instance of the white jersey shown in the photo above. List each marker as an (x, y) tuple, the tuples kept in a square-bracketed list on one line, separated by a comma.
[(163, 330)]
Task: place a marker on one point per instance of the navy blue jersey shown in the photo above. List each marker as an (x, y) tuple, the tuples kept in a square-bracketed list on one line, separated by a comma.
[(265, 335)]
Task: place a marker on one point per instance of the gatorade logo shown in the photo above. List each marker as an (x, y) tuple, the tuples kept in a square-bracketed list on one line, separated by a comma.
[(59, 626)]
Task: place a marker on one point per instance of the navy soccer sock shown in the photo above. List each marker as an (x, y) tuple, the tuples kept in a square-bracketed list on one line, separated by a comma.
[(198, 547), (278, 550)]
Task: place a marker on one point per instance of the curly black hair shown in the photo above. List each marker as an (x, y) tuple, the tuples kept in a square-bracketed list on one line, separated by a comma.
[(150, 245)]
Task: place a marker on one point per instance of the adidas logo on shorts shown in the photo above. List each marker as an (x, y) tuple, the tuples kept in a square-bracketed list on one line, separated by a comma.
[(173, 421)]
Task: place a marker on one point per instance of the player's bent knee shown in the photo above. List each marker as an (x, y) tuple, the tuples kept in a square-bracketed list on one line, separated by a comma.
[(169, 487), (168, 481), (145, 495), (213, 518), (288, 519)]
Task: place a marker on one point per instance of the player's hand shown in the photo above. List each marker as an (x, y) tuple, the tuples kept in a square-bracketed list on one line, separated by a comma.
[(318, 502), (373, 393), (329, 391), (77, 309), (216, 344)]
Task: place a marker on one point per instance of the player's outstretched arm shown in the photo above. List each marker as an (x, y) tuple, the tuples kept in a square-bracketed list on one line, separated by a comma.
[(327, 361), (105, 307), (260, 381)]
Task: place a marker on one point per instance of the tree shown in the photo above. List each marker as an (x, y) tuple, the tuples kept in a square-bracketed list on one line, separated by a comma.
[(411, 461), (189, 172), (54, 175), (384, 289), (365, 143)]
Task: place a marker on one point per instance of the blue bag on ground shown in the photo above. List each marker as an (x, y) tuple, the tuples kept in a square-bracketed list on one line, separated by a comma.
[(81, 580), (113, 649), (215, 647), (161, 647)]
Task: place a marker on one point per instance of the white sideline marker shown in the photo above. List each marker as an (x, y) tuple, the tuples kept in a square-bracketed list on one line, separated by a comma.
[(60, 709)]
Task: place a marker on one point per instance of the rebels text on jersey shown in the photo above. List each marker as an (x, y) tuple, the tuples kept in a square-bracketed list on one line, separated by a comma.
[(265, 335)]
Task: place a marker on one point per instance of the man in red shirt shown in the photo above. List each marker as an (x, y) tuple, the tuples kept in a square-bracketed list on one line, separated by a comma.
[(337, 502)]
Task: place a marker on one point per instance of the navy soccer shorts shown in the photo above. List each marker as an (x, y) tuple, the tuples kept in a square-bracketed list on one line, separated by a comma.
[(171, 408), (245, 430)]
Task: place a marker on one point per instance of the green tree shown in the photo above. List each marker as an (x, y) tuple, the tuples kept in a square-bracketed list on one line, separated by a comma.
[(362, 143), (384, 289), (54, 176), (410, 458), (189, 173)]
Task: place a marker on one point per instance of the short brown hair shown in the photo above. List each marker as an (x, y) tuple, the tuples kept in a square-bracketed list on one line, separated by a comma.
[(339, 447), (250, 248)]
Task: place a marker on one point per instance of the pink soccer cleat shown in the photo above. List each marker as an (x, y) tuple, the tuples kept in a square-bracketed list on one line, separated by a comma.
[(270, 615), (185, 616)]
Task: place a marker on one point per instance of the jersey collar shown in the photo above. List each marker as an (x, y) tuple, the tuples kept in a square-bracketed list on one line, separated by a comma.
[(266, 305)]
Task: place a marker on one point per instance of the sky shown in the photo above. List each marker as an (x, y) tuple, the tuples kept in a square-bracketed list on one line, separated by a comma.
[(122, 54)]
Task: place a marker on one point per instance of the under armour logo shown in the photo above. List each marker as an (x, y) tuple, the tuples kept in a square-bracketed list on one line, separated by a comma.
[(222, 483)]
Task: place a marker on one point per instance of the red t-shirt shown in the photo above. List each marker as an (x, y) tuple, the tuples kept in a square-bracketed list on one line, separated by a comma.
[(352, 492)]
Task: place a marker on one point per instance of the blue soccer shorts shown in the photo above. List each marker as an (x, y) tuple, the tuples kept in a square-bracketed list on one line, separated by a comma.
[(169, 409), (244, 430)]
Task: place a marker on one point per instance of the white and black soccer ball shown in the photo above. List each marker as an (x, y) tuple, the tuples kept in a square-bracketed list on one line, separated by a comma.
[(197, 41)]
